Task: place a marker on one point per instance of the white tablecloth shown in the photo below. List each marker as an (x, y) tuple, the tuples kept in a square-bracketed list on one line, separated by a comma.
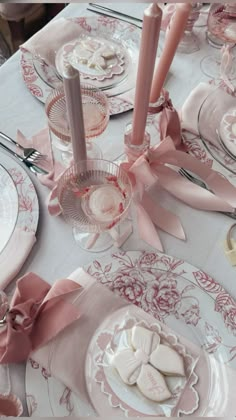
[(55, 254)]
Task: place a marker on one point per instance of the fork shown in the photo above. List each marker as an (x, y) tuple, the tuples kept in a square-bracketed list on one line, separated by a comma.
[(32, 155), (202, 184)]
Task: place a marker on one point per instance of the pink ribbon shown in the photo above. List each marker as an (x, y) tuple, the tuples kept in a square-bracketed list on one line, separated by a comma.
[(37, 313), (169, 122), (151, 167)]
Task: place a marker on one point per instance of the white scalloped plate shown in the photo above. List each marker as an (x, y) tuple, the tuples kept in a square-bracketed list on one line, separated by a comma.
[(181, 296)]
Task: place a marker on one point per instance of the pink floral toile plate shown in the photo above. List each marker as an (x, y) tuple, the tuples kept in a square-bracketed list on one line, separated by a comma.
[(28, 206), (184, 299)]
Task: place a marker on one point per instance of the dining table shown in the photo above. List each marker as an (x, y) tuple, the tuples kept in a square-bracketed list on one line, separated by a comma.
[(55, 255)]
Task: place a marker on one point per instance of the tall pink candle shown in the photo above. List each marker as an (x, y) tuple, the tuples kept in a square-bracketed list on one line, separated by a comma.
[(71, 82), (147, 56), (173, 37)]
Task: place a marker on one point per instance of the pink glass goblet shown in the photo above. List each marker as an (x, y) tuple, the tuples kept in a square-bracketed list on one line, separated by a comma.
[(95, 197), (96, 118), (221, 32)]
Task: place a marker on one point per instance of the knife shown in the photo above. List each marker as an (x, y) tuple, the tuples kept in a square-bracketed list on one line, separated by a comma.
[(106, 9), (34, 168)]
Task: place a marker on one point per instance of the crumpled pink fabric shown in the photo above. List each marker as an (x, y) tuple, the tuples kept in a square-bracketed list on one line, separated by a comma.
[(37, 313)]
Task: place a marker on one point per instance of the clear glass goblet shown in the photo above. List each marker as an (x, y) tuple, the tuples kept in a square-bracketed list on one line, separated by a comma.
[(221, 32), (96, 117), (95, 197)]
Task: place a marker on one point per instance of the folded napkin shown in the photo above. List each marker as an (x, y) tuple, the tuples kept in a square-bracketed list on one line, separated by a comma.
[(58, 32), (18, 247), (209, 112), (190, 109)]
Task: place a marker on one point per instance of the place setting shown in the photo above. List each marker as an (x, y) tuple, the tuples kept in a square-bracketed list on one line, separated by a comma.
[(136, 332), (104, 50)]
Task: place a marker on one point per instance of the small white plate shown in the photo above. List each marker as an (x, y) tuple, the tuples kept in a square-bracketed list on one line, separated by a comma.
[(28, 206)]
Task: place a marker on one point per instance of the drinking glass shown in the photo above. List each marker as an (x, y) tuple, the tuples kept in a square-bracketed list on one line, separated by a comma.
[(221, 32), (96, 117), (95, 196)]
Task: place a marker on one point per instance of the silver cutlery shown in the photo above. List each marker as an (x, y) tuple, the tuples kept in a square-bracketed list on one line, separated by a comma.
[(202, 184), (114, 17), (32, 166), (107, 9), (29, 153)]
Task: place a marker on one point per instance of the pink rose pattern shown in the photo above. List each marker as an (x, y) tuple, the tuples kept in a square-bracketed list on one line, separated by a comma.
[(160, 292), (28, 202)]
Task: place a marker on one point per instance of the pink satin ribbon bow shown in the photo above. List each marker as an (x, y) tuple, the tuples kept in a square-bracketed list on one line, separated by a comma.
[(37, 313), (153, 167)]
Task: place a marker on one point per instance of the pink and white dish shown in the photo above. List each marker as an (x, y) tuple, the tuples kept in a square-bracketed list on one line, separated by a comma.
[(8, 207), (176, 294), (124, 39), (23, 235)]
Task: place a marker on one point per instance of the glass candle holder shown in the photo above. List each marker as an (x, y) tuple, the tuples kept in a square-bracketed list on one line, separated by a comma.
[(132, 150), (96, 118)]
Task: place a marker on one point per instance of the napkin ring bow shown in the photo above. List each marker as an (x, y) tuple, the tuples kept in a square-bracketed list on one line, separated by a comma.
[(36, 314)]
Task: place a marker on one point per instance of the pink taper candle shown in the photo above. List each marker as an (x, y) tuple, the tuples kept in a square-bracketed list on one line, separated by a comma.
[(173, 37), (147, 56), (71, 82)]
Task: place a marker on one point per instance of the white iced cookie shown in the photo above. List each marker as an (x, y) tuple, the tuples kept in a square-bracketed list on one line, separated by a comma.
[(127, 365), (97, 61), (145, 361), (108, 54), (144, 339), (152, 384), (167, 361)]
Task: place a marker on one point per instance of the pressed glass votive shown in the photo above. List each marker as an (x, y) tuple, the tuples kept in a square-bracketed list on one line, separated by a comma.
[(135, 150), (95, 113)]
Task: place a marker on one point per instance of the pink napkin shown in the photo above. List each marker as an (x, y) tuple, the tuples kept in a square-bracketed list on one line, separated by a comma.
[(46, 42), (64, 357), (18, 247), (190, 109)]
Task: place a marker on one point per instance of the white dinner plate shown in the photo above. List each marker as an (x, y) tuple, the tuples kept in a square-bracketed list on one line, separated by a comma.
[(28, 206), (40, 78), (8, 207), (179, 295)]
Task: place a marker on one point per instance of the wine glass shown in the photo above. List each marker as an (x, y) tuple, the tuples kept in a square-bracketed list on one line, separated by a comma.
[(96, 117), (221, 32), (95, 196)]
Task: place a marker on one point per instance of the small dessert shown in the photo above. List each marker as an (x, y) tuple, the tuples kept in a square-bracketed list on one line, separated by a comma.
[(145, 362), (167, 361)]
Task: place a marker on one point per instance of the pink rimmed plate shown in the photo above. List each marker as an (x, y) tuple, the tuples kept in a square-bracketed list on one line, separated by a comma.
[(183, 298), (8, 207), (28, 214)]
